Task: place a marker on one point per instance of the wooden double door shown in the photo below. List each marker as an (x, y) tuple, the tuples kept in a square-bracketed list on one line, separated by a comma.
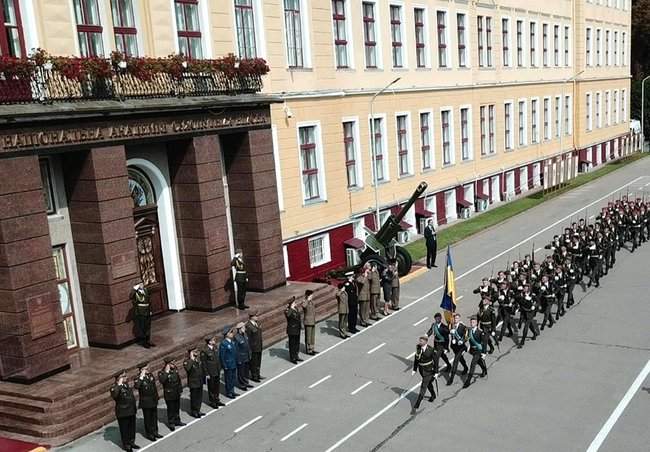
[(149, 256)]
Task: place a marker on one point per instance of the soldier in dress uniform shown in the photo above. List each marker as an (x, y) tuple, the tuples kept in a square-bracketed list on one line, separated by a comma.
[(228, 359), (375, 289), (363, 283), (431, 242), (440, 333), (125, 409), (477, 340), (243, 357), (195, 378), (507, 308), (240, 278), (458, 335), (148, 392), (309, 321), (172, 385), (254, 333), (394, 295), (342, 304), (528, 307), (142, 315), (424, 363), (293, 329), (212, 370), (353, 302), (546, 297), (387, 287), (488, 321)]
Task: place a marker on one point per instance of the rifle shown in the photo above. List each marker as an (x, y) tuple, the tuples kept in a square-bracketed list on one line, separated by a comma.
[(533, 254)]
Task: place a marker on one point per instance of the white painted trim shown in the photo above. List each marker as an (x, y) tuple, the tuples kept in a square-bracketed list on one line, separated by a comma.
[(470, 132), (589, 111), (358, 153), (535, 139), (449, 54), (534, 63), (174, 26), (327, 254), (524, 43), (432, 135), (168, 237), (547, 134), (384, 143), (409, 144), (348, 36), (378, 34), (403, 34), (278, 167), (568, 104), (510, 48), (452, 136), (260, 33), (468, 37), (206, 28), (320, 159), (524, 142), (305, 34), (511, 103), (30, 30), (427, 36), (285, 258)]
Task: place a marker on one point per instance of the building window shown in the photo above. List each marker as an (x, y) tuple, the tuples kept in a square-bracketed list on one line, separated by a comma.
[(558, 110), (588, 47), (340, 33), (402, 145), (48, 186), (488, 41), (483, 125), (464, 134), (505, 41), (420, 37), (616, 62), (425, 140), (446, 137), (492, 128), (309, 157), (522, 123), (545, 45), (396, 34), (534, 137), (189, 28), (507, 136), (566, 47), (567, 115), (124, 28), (546, 118), (479, 36), (65, 295), (319, 250), (598, 49), (89, 28), (556, 45), (624, 105), (623, 50), (608, 117), (370, 42), (608, 61), (12, 41), (350, 153), (442, 38), (616, 101), (293, 24), (520, 43), (588, 112), (380, 161), (599, 123), (245, 23), (533, 39), (462, 40)]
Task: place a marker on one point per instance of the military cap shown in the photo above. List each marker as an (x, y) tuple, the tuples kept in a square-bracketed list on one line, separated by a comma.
[(437, 314), (349, 274), (168, 359), (191, 349), (472, 317), (117, 375), (253, 313), (308, 292), (207, 339), (424, 338), (226, 329), (240, 325)]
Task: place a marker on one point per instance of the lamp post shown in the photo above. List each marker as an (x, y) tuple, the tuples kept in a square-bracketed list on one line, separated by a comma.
[(374, 150), (643, 113), (570, 79)]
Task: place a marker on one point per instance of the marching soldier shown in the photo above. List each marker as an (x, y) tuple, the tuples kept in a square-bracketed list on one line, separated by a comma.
[(195, 379), (528, 308), (594, 263), (546, 296), (342, 304), (440, 333), (394, 295), (254, 333), (424, 363), (142, 315), (507, 309), (560, 283), (240, 278), (243, 357), (363, 283), (458, 335), (212, 370), (571, 278), (353, 302), (309, 320), (431, 242), (172, 390), (477, 340), (293, 330), (228, 360), (125, 409), (375, 287), (148, 392), (488, 321)]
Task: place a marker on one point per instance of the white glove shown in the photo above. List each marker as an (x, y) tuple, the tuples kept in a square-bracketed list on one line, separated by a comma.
[(412, 373), (453, 341), (492, 333), (483, 355)]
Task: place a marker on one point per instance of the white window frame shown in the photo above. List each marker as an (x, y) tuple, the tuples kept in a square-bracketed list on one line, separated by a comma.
[(452, 141), (403, 34), (511, 125), (278, 168), (608, 47), (468, 39), (568, 105), (589, 111), (589, 46), (509, 62), (535, 139), (615, 38), (524, 42), (427, 36), (623, 49), (534, 59), (557, 109), (258, 19), (327, 252), (546, 45), (349, 37), (525, 129), (470, 129), (358, 162), (624, 105), (378, 35), (547, 132), (608, 108), (432, 141), (320, 160), (305, 35), (384, 143), (448, 54), (566, 45), (598, 110), (409, 144), (598, 46)]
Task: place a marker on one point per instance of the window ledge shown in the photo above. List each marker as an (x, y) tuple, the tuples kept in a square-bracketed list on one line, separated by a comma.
[(382, 182), (313, 202), (445, 69), (400, 69), (345, 69), (374, 69), (448, 165), (406, 176), (300, 69), (423, 69), (489, 156), (55, 217), (466, 161), (355, 189), (427, 170)]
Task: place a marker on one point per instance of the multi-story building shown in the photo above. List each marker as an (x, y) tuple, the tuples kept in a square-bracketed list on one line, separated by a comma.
[(494, 98)]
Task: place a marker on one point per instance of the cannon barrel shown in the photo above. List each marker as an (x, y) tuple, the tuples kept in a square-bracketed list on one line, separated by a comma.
[(388, 231)]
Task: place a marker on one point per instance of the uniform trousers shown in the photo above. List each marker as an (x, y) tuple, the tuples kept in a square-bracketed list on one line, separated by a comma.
[(458, 358), (127, 430), (213, 389), (173, 411), (241, 293), (196, 397), (507, 322), (529, 322), (255, 365), (150, 416), (294, 346), (353, 310), (427, 384), (230, 379), (548, 316), (310, 337), (242, 374), (343, 324), (142, 328), (394, 297), (439, 351), (477, 358), (374, 308), (364, 311)]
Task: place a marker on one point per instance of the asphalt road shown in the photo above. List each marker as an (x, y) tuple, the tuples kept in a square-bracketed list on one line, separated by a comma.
[(562, 392)]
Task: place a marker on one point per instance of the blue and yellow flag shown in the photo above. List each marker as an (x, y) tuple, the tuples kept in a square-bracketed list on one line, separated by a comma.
[(448, 302)]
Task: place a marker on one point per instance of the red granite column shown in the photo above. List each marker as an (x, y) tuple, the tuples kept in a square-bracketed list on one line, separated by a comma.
[(101, 216), (32, 339), (254, 207), (201, 225)]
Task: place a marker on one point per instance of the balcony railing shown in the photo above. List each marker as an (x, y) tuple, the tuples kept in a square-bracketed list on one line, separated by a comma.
[(45, 79)]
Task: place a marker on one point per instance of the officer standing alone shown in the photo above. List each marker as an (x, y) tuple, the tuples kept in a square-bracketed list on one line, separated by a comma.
[(142, 315), (240, 278), (431, 239)]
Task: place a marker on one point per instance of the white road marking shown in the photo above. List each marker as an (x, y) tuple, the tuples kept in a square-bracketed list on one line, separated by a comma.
[(360, 387), (286, 437), (411, 355), (647, 184), (376, 348), (313, 385), (538, 249), (602, 434), (247, 424), (460, 298), (420, 321), (592, 217)]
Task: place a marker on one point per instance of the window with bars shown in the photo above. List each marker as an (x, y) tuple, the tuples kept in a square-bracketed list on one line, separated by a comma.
[(623, 49), (319, 250), (545, 45), (89, 28), (488, 41), (505, 41), (480, 38), (534, 132), (402, 145), (48, 186), (483, 126), (558, 110), (556, 45), (349, 128), (616, 62), (340, 33), (597, 115), (522, 122), (608, 62), (442, 38), (309, 157), (546, 112), (293, 25), (533, 39), (65, 295), (520, 43), (462, 40), (567, 43), (445, 117), (492, 129), (420, 37), (12, 40), (189, 28), (598, 49), (245, 23), (589, 62), (567, 115), (369, 37), (465, 153), (507, 135), (425, 140), (377, 130), (124, 28), (588, 119), (396, 34)]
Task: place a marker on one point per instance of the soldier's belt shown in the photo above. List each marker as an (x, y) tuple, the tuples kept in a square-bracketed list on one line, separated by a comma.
[(426, 364), (143, 305), (241, 271)]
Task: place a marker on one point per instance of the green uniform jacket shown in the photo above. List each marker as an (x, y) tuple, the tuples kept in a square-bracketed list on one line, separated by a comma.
[(171, 382), (195, 376), (124, 400), (210, 362), (148, 392)]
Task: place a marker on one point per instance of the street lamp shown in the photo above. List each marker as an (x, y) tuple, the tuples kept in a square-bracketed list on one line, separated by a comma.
[(642, 113), (374, 150)]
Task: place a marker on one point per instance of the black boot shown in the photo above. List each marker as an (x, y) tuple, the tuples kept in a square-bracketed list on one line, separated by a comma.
[(418, 402)]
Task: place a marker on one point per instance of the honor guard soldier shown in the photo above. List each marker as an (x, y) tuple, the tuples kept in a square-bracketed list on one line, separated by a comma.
[(254, 333), (560, 283), (507, 308), (546, 296), (293, 329), (424, 363), (309, 321), (353, 302), (394, 295), (195, 377), (440, 333), (488, 322), (477, 340), (342, 304), (172, 389), (375, 289), (142, 315), (431, 240), (243, 357), (363, 283), (212, 371), (528, 307), (240, 277), (148, 392), (458, 335), (595, 264), (228, 359), (125, 409)]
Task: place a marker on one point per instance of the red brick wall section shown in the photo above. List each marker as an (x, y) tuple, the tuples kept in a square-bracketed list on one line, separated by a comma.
[(201, 225), (254, 207), (101, 217), (32, 340)]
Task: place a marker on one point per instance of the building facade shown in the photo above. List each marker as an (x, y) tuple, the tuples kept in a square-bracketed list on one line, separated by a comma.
[(494, 98)]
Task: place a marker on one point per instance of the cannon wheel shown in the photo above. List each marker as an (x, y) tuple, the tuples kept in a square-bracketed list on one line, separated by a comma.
[(404, 261)]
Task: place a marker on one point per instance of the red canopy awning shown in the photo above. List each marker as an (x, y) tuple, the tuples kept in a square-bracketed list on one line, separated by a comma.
[(464, 203), (483, 196), (404, 225), (355, 243), (423, 212)]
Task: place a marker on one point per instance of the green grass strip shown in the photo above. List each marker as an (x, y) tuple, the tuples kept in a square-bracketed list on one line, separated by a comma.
[(467, 228)]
